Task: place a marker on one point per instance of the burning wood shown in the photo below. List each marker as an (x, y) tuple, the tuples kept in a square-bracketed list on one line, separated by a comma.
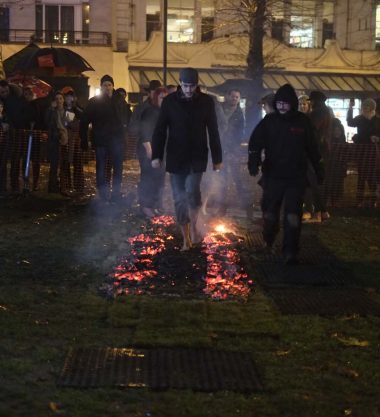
[(155, 265)]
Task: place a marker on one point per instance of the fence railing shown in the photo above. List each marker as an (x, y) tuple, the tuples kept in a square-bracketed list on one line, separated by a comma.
[(352, 171), (55, 37)]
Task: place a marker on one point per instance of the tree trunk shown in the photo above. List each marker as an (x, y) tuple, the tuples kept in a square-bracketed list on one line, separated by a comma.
[(255, 59)]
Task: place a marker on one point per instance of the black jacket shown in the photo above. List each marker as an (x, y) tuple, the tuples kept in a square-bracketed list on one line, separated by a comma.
[(289, 142), (234, 134), (365, 127), (108, 118), (184, 124)]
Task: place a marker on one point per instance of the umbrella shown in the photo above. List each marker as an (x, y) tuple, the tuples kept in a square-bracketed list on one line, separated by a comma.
[(40, 88), (53, 61), (10, 62)]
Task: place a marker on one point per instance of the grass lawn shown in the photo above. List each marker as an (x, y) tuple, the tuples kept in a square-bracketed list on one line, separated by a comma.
[(54, 256)]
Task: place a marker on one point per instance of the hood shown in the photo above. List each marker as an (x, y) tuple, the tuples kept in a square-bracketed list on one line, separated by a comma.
[(287, 93)]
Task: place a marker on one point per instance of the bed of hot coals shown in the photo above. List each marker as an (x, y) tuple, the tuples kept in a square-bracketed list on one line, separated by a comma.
[(155, 265)]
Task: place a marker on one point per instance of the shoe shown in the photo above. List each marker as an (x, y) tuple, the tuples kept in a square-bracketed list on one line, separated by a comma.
[(306, 216), (325, 215)]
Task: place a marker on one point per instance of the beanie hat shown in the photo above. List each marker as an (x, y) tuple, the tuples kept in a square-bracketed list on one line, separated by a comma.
[(317, 96), (287, 94), (188, 75), (106, 78), (370, 103)]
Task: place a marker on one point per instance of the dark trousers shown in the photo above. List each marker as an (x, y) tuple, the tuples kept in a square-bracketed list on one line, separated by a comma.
[(115, 152), (151, 185), (4, 148), (186, 194), (289, 194)]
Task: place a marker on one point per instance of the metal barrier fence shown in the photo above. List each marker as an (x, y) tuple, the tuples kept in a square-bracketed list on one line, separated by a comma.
[(352, 172)]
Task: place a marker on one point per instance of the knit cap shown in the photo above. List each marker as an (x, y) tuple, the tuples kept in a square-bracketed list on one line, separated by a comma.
[(188, 75)]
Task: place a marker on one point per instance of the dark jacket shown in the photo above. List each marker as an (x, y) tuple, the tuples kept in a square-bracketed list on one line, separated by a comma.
[(365, 127), (184, 124), (108, 118), (233, 136), (289, 142)]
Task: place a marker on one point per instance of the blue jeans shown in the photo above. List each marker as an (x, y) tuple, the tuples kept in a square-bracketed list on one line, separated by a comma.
[(115, 151), (186, 190)]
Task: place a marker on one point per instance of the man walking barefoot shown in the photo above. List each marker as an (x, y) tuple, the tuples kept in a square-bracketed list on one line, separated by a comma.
[(186, 117)]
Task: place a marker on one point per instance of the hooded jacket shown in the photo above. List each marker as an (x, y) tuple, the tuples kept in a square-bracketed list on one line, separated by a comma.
[(288, 141)]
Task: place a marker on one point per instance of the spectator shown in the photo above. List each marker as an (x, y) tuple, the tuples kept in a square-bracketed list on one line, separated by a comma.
[(74, 114), (232, 139), (288, 139), (368, 130), (184, 120), (152, 180), (4, 143), (304, 104), (336, 167), (106, 113), (58, 145), (321, 118), (267, 103)]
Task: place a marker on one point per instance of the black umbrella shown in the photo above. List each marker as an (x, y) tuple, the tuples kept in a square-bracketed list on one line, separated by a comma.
[(56, 61), (10, 63)]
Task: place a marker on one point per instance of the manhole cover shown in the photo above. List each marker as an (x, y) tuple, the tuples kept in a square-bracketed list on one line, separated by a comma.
[(199, 370), (280, 275), (324, 302)]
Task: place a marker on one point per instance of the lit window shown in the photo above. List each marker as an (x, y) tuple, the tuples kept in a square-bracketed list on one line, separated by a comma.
[(302, 24), (378, 27), (181, 20)]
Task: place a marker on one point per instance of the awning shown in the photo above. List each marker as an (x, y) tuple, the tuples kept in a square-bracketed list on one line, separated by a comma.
[(220, 80)]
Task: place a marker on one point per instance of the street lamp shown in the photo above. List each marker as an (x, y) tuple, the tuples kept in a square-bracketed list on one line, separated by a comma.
[(165, 48)]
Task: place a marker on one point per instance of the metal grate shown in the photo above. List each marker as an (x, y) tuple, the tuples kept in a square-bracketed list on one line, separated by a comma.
[(199, 370), (324, 302)]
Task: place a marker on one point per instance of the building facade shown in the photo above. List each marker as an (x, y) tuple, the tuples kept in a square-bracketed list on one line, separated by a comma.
[(326, 45)]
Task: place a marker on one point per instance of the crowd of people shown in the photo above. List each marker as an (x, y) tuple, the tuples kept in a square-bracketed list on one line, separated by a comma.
[(297, 147)]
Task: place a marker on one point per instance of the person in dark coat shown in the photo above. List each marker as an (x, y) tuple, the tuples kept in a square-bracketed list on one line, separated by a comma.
[(152, 180), (316, 197), (106, 113), (288, 140), (368, 130), (184, 121), (232, 139)]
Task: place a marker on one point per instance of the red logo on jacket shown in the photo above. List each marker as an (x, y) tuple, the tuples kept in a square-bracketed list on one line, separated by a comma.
[(296, 130)]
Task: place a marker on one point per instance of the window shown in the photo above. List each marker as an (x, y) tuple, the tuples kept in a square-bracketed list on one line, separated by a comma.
[(378, 27), (208, 20), (4, 24), (152, 17), (328, 21), (302, 24), (58, 23), (181, 20)]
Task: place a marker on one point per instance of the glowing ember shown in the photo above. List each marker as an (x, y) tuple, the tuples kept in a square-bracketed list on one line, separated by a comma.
[(154, 262)]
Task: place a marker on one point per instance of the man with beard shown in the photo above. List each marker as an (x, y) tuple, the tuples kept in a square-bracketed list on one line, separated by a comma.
[(288, 140), (185, 118)]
